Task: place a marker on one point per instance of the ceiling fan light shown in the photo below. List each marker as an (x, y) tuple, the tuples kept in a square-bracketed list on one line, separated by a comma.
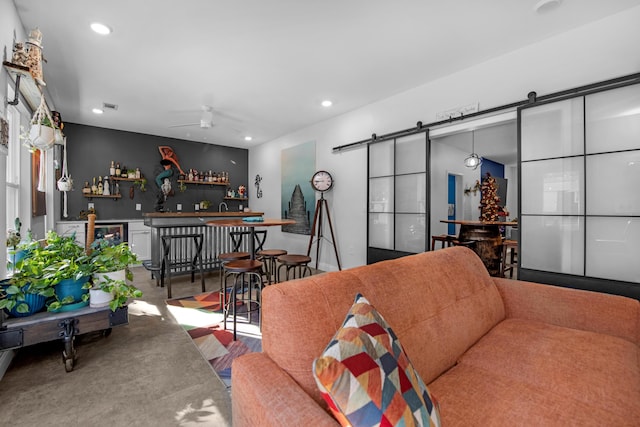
[(473, 161)]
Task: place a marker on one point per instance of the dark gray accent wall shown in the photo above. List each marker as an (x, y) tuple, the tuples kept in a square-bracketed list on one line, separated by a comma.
[(90, 151)]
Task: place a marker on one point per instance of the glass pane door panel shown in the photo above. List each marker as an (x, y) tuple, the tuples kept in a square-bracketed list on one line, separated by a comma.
[(552, 130), (381, 159), (381, 230), (612, 248), (411, 232), (613, 120), (381, 194), (552, 243), (612, 185), (553, 187), (411, 154), (411, 193)]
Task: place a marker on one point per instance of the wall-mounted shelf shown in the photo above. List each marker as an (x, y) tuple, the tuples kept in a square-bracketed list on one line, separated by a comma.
[(121, 178), (184, 181), (25, 85), (236, 198), (102, 196)]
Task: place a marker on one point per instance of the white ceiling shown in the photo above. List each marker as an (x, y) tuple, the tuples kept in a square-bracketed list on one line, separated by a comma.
[(265, 65)]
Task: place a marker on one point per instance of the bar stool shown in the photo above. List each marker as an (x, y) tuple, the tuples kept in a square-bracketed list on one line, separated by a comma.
[(223, 259), (510, 252), (184, 256), (269, 257), (294, 263), (240, 270), (447, 239)]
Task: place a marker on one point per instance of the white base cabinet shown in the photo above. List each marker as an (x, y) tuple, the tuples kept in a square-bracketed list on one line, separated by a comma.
[(140, 240)]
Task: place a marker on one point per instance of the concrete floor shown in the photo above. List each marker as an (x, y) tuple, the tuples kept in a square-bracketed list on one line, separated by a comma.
[(146, 373)]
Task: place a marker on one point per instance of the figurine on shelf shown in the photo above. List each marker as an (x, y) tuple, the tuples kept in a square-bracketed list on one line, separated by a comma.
[(106, 191), (20, 55), (34, 57), (242, 190)]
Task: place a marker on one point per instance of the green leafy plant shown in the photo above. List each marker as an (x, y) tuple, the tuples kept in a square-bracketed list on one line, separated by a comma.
[(205, 204), (47, 264), (106, 257), (142, 183), (120, 290)]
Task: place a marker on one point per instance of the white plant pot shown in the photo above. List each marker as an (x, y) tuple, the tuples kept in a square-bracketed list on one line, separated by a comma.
[(65, 184), (114, 275), (42, 137), (99, 298)]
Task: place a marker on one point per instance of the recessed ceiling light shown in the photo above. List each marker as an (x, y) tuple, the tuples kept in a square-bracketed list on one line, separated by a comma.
[(97, 111), (327, 103), (546, 5), (247, 138), (100, 28)]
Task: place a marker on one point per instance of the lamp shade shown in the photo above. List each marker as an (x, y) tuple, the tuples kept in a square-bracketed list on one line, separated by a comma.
[(473, 161)]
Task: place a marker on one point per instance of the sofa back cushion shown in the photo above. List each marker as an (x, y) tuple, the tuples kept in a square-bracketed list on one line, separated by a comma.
[(439, 304)]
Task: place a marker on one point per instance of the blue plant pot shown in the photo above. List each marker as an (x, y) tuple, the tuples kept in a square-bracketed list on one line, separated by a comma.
[(71, 287), (35, 302)]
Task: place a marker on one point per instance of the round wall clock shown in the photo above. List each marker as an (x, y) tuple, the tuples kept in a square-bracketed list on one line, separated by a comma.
[(321, 181)]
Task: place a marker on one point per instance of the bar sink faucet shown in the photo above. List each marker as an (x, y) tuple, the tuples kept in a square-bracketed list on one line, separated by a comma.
[(226, 208)]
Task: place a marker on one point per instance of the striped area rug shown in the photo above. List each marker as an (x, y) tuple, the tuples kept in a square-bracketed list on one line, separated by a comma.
[(201, 316)]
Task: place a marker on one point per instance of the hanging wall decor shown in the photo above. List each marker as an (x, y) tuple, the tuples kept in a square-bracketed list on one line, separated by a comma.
[(298, 198), (4, 133)]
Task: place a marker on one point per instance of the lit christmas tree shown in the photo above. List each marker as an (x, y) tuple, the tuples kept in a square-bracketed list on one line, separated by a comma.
[(489, 208)]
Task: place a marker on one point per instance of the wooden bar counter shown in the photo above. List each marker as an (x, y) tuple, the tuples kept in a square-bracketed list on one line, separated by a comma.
[(216, 240), (487, 240)]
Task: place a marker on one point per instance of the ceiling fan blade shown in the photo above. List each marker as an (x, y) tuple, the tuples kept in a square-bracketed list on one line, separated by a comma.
[(185, 125)]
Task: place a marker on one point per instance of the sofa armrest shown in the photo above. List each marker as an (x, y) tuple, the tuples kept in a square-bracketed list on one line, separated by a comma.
[(572, 308), (264, 395)]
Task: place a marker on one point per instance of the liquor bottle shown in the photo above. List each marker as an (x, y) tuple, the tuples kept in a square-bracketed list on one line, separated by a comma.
[(138, 173), (190, 174), (94, 187), (118, 170), (86, 189), (112, 169), (99, 185)]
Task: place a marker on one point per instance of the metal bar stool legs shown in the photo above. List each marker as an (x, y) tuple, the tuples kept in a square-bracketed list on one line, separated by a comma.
[(269, 257), (182, 257), (249, 272), (224, 258), (294, 264)]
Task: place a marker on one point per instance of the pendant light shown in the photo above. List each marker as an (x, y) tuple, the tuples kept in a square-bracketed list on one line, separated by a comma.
[(473, 160)]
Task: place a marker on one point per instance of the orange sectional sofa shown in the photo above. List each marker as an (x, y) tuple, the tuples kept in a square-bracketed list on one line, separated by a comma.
[(494, 352)]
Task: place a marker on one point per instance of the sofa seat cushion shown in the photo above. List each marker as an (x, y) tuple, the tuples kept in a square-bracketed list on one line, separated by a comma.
[(471, 396), (554, 370)]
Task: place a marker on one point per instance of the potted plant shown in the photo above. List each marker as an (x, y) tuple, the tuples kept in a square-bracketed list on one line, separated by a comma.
[(111, 273), (117, 293), (205, 204), (43, 132), (57, 268)]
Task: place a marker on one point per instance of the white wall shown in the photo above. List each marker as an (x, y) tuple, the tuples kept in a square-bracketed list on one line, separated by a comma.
[(599, 51)]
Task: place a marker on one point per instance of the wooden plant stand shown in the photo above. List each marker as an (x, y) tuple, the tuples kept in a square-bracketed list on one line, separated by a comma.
[(45, 326)]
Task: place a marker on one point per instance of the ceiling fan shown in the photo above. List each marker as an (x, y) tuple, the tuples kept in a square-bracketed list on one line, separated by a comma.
[(206, 119)]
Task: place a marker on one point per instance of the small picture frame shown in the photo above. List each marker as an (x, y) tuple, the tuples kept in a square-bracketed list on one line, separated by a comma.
[(4, 133)]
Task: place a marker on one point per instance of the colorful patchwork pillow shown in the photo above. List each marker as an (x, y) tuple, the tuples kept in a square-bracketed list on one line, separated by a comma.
[(366, 377)]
